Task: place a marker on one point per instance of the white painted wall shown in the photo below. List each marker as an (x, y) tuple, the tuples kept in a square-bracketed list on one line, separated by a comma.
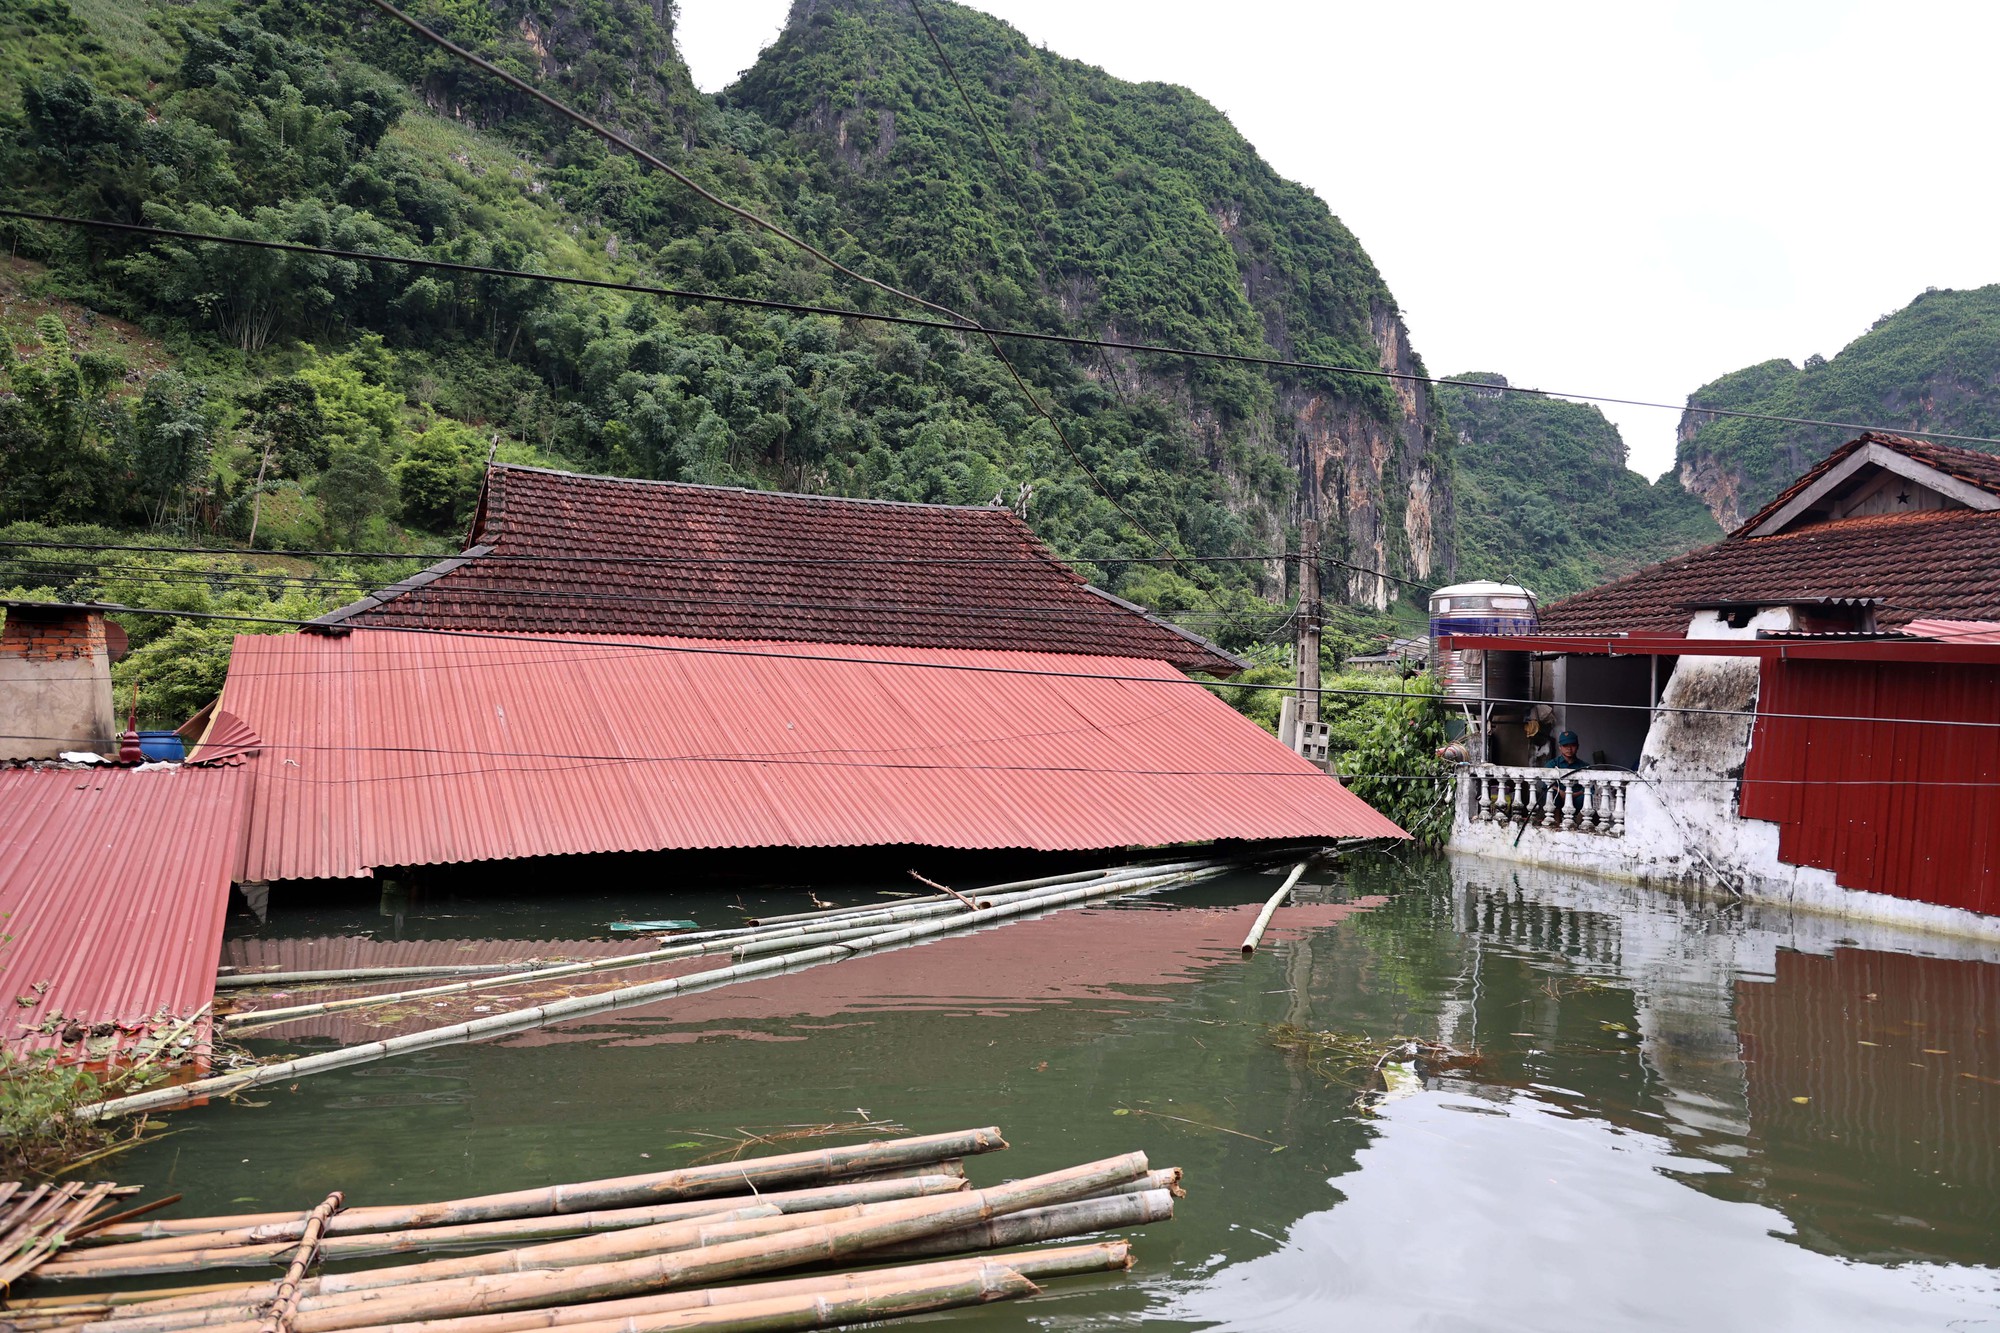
[(1681, 825)]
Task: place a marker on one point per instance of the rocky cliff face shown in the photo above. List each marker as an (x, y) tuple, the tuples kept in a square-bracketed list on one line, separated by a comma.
[(1133, 211)]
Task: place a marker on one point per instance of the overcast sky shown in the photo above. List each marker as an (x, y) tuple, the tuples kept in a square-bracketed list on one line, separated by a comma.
[(1602, 198)]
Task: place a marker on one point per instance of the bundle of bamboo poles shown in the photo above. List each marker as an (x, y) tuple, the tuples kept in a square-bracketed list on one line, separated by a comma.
[(759, 951), (632, 1254)]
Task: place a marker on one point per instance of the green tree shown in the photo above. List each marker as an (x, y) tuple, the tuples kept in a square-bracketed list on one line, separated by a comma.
[(437, 480), (173, 432), (56, 425), (354, 489)]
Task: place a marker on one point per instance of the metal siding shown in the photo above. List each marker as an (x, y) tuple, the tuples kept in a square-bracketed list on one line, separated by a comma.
[(391, 748), (1891, 807), (114, 883)]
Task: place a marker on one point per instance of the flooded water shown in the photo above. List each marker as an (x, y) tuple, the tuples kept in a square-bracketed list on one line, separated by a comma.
[(1686, 1114)]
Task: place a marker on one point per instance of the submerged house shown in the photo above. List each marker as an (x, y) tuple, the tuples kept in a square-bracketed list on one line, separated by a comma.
[(617, 665), (1806, 710)]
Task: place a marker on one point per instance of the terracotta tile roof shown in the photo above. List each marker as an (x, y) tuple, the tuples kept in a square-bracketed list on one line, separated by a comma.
[(1939, 563), (550, 549), (1967, 465)]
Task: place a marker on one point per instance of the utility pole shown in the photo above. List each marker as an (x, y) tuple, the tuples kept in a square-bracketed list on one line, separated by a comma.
[(1307, 651)]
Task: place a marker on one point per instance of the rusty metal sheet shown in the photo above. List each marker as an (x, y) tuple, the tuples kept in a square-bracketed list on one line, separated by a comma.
[(402, 748), (113, 884)]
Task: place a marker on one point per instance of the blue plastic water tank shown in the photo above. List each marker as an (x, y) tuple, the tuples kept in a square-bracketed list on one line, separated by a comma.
[(162, 745)]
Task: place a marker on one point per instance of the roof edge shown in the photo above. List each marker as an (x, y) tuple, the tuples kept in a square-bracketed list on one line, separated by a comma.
[(745, 490), (428, 575), (1238, 663)]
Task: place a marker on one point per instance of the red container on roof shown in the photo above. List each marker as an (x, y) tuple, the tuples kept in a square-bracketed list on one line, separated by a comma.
[(398, 748), (113, 884)]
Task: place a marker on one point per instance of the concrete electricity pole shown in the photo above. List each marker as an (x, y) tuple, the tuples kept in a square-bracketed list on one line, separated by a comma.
[(1307, 648)]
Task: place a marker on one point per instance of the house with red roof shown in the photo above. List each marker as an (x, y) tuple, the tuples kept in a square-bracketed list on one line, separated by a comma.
[(616, 665), (1807, 710)]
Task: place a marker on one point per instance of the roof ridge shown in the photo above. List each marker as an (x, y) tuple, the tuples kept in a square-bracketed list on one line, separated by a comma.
[(751, 490)]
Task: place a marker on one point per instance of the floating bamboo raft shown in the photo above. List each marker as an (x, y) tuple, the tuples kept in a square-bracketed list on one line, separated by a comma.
[(668, 1250)]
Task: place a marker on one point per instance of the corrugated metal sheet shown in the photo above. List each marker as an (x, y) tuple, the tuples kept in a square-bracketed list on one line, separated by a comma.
[(114, 883), (395, 748), (332, 952), (1895, 807), (1957, 631)]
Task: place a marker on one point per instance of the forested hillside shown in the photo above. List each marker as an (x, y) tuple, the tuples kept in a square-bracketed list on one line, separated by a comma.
[(333, 403), (1933, 365), (1545, 498)]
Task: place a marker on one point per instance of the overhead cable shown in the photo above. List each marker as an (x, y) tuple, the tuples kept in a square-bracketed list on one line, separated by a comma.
[(1025, 335)]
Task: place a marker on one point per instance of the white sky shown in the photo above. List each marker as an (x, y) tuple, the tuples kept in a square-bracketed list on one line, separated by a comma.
[(1622, 199)]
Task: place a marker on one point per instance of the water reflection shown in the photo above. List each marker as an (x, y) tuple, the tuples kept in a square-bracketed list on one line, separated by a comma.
[(1687, 1112)]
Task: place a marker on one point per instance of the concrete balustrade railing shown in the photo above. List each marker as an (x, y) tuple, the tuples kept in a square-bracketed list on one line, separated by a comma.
[(1580, 801)]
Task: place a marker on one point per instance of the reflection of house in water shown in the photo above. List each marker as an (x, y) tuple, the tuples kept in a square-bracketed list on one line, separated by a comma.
[(1808, 710), (1850, 1083)]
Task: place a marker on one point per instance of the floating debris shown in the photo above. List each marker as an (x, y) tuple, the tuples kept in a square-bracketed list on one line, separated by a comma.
[(1377, 1070)]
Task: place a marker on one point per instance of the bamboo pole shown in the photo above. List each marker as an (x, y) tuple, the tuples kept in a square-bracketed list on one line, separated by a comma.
[(622, 1243), (249, 1247), (725, 942), (344, 1289), (862, 1304), (1063, 1261), (940, 899), (911, 1220), (867, 1303), (240, 980), (519, 1020), (1168, 1179), (1271, 906), (687, 1182), (286, 1302), (1059, 1221)]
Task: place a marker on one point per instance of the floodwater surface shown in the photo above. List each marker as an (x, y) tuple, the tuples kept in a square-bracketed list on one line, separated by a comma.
[(1683, 1114)]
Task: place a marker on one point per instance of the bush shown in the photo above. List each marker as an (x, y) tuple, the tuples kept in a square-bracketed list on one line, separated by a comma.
[(1384, 744)]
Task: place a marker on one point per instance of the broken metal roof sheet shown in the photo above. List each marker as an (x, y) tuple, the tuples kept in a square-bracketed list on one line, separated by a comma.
[(399, 748), (113, 886)]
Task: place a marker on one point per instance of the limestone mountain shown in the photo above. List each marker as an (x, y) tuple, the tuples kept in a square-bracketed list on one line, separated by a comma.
[(1546, 499), (1933, 365)]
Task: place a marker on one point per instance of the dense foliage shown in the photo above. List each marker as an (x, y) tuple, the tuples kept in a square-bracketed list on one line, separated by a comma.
[(1383, 736), (1545, 498), (1933, 365)]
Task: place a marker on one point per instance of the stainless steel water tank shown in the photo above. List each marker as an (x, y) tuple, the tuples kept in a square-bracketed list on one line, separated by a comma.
[(1481, 608)]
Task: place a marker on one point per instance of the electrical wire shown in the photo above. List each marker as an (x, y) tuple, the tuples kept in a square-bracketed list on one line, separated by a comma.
[(709, 650), (1025, 335), (613, 137)]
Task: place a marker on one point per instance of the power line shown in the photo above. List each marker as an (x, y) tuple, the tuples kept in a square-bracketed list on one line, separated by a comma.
[(991, 331), (1174, 678), (613, 137)]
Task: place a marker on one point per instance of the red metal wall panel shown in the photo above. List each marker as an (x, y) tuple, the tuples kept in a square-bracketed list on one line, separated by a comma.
[(397, 748), (113, 885), (1870, 772)]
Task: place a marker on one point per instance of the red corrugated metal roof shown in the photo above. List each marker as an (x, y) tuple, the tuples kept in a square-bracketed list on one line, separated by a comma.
[(1957, 631), (114, 883), (389, 748), (561, 553)]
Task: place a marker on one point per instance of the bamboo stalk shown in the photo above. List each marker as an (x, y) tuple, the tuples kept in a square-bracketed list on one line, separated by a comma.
[(861, 1304), (241, 980), (286, 1302), (1271, 906), (1064, 1261), (1057, 1222), (248, 1244), (523, 1019), (722, 942), (1168, 1179), (1046, 881), (623, 1243), (687, 1268), (687, 1182), (866, 1303)]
